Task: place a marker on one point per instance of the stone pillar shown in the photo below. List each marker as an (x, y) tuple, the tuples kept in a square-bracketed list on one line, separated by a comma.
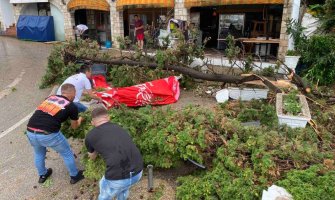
[(180, 12), (17, 11), (117, 27), (68, 25), (283, 45)]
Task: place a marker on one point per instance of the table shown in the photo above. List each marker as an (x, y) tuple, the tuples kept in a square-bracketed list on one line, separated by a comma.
[(261, 41)]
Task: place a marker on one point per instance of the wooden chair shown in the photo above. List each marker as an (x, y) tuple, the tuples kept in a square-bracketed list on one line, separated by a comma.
[(259, 29)]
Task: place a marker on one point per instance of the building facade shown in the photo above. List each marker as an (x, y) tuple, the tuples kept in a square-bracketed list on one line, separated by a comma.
[(110, 19)]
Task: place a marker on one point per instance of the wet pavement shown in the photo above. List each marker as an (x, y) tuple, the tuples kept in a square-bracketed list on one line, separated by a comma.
[(22, 64)]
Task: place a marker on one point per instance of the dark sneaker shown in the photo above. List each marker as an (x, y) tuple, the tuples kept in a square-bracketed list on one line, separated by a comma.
[(45, 176), (75, 179)]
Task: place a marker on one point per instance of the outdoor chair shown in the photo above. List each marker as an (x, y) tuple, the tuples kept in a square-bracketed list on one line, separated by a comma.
[(99, 69)]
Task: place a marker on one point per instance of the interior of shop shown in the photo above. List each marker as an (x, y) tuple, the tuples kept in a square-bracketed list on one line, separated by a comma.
[(98, 23), (248, 24), (153, 19)]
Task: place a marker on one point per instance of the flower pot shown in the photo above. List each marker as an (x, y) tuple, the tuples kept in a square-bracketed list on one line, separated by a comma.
[(292, 61), (246, 94), (293, 121)]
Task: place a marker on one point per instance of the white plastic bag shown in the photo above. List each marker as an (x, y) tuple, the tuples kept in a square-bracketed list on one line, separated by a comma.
[(276, 193)]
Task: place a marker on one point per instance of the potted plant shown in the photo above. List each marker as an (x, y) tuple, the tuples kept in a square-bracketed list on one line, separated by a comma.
[(292, 58), (294, 30), (292, 109)]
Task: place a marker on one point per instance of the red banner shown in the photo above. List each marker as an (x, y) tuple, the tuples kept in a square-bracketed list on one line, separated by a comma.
[(157, 92)]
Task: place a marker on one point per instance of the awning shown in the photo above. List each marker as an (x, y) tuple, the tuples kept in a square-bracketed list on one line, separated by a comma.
[(88, 4), (28, 1), (201, 3), (121, 4)]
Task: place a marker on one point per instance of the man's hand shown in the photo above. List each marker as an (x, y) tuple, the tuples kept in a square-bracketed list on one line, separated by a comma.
[(80, 120), (93, 155), (93, 96), (76, 123)]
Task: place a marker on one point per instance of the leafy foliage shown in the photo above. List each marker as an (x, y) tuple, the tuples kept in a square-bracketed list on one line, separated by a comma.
[(319, 55), (124, 42), (291, 103), (58, 68), (305, 184), (251, 160), (247, 115), (295, 30), (164, 136), (241, 161), (318, 51), (231, 51), (328, 16), (292, 53)]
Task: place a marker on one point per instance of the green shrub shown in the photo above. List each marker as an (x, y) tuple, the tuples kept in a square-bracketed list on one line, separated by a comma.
[(319, 56), (312, 183), (292, 53), (247, 115), (240, 161), (251, 160), (291, 103), (327, 16)]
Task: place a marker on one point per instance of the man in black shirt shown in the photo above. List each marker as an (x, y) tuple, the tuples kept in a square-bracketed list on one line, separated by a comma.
[(43, 131), (123, 159)]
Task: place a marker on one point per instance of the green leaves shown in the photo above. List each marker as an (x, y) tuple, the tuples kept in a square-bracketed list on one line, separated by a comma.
[(59, 67), (314, 183), (291, 103), (319, 55), (240, 161)]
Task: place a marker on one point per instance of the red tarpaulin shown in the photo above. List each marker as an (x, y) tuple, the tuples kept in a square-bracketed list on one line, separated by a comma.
[(157, 92)]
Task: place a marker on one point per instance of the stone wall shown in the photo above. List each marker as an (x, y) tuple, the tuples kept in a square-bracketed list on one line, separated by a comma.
[(180, 12), (283, 45), (117, 27), (68, 22)]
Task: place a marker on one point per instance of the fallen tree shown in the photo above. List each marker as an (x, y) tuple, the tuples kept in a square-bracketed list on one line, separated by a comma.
[(63, 59), (224, 78)]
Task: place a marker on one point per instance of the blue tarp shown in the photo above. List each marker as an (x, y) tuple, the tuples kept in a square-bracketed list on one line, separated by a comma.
[(36, 28)]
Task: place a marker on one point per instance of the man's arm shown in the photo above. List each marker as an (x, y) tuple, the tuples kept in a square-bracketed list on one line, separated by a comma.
[(92, 155), (138, 28), (76, 123), (92, 95)]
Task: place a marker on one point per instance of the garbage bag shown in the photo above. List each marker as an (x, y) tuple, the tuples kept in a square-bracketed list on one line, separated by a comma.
[(275, 193)]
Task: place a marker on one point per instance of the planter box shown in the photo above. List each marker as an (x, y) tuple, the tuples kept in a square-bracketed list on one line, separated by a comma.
[(293, 121), (246, 94), (292, 61)]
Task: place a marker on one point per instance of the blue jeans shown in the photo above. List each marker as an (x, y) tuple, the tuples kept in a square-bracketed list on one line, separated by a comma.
[(119, 188), (57, 142), (80, 106)]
